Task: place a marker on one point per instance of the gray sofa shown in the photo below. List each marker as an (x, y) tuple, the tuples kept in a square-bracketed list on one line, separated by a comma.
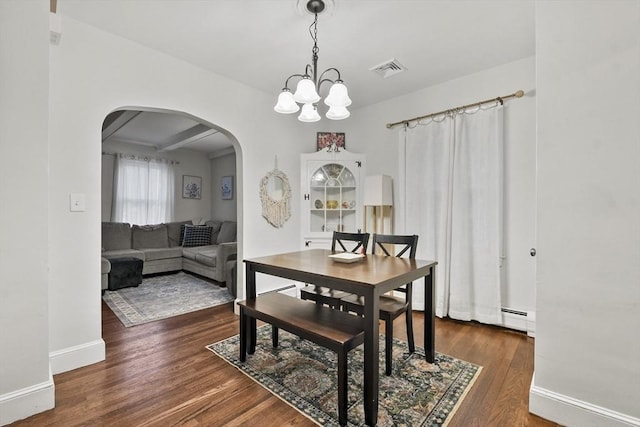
[(202, 249)]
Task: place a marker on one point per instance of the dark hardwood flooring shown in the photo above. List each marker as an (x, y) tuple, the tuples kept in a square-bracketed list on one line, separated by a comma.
[(160, 374)]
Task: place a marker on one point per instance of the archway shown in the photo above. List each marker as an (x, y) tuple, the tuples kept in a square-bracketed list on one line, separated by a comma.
[(199, 149)]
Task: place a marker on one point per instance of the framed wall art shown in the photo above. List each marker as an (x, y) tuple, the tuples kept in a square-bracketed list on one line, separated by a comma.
[(227, 187), (191, 187), (331, 141)]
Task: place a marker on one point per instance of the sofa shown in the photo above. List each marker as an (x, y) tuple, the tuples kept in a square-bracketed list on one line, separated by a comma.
[(201, 249)]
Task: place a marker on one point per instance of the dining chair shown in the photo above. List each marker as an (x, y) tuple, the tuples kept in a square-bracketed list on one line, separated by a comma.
[(390, 307), (341, 242)]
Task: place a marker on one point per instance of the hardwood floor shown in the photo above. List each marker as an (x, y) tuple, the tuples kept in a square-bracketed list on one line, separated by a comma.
[(160, 374)]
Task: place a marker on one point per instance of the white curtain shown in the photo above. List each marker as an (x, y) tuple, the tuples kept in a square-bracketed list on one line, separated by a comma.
[(451, 191), (143, 190)]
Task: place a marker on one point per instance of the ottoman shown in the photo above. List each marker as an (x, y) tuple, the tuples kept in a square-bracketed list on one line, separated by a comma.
[(125, 272)]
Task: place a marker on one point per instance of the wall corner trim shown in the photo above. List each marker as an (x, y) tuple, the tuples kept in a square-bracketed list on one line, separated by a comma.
[(77, 356), (567, 410), (20, 404)]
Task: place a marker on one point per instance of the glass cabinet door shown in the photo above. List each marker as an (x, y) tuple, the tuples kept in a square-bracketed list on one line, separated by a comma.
[(333, 199), (331, 195)]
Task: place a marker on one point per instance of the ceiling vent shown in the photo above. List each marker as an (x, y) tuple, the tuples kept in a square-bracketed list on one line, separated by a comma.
[(388, 68)]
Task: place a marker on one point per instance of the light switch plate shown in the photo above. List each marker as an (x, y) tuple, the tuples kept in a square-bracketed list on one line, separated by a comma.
[(76, 202)]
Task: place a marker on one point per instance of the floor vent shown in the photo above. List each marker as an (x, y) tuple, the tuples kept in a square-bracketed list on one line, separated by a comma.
[(388, 68)]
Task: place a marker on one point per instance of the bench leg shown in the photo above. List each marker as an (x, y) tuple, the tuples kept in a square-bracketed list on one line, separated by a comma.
[(252, 323), (274, 336), (342, 388), (243, 335)]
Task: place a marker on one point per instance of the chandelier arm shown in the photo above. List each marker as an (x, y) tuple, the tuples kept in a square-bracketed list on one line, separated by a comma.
[(323, 81), (310, 74), (331, 69), (286, 83)]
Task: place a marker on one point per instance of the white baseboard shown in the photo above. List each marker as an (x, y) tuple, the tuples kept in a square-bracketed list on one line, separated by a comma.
[(568, 411), (21, 404), (77, 356)]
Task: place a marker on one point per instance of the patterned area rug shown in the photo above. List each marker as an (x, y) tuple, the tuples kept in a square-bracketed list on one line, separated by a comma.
[(303, 374), (164, 296)]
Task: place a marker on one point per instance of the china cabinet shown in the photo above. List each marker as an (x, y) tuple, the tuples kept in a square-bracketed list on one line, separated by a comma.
[(331, 195)]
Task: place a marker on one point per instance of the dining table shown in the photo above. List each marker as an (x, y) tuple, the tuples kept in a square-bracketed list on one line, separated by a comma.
[(369, 276)]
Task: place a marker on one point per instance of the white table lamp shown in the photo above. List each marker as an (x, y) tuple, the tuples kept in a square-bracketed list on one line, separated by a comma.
[(378, 194)]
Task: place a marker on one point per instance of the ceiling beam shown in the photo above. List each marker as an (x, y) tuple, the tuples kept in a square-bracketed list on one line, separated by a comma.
[(188, 136), (118, 122)]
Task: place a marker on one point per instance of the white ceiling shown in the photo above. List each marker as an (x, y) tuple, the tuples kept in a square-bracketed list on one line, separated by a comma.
[(262, 42)]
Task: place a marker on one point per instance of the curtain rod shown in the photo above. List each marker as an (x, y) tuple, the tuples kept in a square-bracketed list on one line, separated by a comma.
[(500, 99), (141, 156)]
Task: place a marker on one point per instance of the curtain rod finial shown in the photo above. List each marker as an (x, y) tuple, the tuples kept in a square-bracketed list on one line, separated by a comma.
[(519, 94)]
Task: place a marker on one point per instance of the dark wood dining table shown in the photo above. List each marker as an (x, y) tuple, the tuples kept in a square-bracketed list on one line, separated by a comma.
[(369, 277)]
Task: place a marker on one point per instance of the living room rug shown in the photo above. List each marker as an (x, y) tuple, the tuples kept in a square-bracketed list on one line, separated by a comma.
[(303, 374), (160, 297)]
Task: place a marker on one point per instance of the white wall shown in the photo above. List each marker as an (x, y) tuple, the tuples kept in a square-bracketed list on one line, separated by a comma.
[(223, 209), (587, 353), (189, 163), (26, 385), (85, 88), (367, 132)]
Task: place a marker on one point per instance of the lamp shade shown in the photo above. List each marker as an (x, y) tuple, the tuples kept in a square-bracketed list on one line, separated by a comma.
[(286, 104), (378, 190), (338, 113), (309, 114), (306, 92), (338, 95)]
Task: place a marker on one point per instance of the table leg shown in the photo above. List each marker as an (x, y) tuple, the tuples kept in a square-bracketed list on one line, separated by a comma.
[(429, 316), (251, 294), (371, 358)]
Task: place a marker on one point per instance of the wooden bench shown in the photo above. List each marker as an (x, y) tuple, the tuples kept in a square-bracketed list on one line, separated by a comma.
[(333, 329)]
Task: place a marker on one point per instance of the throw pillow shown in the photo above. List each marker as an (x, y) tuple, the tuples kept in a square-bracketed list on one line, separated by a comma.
[(215, 225), (175, 231), (149, 236), (196, 235), (227, 232), (116, 236)]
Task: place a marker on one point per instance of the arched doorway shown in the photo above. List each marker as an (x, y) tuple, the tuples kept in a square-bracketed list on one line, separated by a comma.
[(201, 153)]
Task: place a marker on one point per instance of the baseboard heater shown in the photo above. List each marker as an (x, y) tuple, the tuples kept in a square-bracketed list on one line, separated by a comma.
[(519, 320), (512, 311)]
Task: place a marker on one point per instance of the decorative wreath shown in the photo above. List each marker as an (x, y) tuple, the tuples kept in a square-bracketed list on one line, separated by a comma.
[(275, 211)]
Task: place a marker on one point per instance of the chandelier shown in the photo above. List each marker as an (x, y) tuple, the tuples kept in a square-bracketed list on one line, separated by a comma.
[(308, 87)]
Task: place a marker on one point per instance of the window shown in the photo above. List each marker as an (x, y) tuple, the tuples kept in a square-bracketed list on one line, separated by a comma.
[(143, 190)]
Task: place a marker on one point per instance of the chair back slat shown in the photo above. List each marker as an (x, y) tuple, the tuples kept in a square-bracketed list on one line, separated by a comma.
[(361, 241), (407, 242)]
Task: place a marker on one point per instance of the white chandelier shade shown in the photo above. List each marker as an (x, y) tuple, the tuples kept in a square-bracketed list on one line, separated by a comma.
[(338, 113), (338, 95), (309, 83), (306, 92), (286, 104), (309, 114)]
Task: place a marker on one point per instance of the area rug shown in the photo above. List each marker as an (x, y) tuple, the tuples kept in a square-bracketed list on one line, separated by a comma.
[(303, 374), (160, 297)]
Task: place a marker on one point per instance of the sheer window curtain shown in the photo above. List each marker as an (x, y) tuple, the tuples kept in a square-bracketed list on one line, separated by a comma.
[(144, 190), (451, 191)]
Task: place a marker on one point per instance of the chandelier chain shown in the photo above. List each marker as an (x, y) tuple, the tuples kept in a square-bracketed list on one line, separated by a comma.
[(314, 35)]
